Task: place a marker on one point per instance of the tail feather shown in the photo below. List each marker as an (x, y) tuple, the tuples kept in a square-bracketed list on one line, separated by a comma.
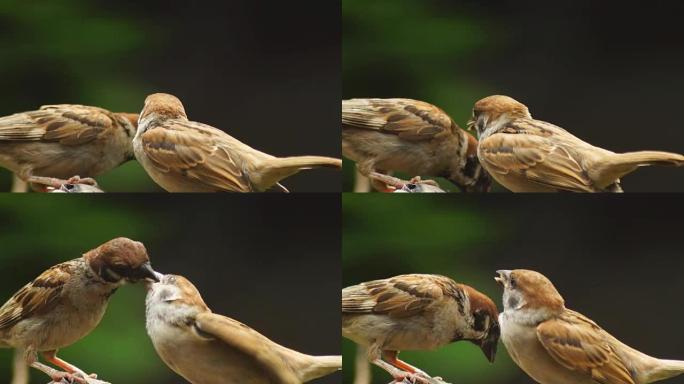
[(20, 372), (664, 369), (620, 164), (278, 168), (322, 366)]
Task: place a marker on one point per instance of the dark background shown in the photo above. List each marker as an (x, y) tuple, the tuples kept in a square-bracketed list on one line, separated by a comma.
[(269, 261), (617, 260), (607, 71), (265, 72)]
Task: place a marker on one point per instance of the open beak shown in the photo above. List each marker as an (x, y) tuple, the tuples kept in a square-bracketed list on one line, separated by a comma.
[(503, 277), (470, 124)]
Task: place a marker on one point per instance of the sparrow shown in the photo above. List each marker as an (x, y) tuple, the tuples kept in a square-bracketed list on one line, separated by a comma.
[(186, 156), (556, 345), (415, 185), (67, 301), (208, 348), (66, 140), (416, 312), (528, 155), (410, 136)]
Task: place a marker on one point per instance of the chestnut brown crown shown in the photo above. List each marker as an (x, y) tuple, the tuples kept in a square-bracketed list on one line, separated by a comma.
[(163, 105), (537, 289), (121, 259)]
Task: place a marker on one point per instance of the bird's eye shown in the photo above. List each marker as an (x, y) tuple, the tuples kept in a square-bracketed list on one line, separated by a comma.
[(411, 186), (513, 282)]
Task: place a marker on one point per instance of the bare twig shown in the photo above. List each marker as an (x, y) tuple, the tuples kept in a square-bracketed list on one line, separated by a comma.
[(362, 371)]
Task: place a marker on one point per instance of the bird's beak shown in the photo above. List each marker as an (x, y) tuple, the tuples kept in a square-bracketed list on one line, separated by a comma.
[(504, 276), (470, 124), (488, 347), (146, 272)]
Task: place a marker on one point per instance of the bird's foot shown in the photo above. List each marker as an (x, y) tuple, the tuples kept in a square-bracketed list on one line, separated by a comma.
[(78, 180), (418, 180), (412, 378)]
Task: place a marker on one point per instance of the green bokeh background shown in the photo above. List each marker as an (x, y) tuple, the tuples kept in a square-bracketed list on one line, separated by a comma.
[(606, 256), (251, 256), (239, 66), (596, 68)]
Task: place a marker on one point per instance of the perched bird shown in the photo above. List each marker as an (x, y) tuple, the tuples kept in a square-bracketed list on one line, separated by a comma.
[(207, 348), (186, 156), (415, 185), (67, 140), (416, 312), (67, 301), (555, 345), (528, 155), (410, 136)]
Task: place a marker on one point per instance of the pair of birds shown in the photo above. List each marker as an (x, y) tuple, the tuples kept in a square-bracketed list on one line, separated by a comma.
[(67, 301), (552, 344), (56, 144), (520, 153)]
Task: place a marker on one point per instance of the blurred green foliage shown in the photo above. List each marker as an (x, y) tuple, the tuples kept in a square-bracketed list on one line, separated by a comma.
[(74, 51), (386, 235), (413, 49), (38, 233)]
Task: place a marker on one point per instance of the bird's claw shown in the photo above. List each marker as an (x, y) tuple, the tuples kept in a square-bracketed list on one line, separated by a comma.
[(78, 180)]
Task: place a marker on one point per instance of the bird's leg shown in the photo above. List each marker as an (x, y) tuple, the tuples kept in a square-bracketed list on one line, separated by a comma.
[(51, 356), (399, 375), (45, 184), (391, 357), (55, 375), (386, 184), (390, 183)]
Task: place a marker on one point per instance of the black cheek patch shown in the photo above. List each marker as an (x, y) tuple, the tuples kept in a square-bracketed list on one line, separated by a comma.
[(512, 302)]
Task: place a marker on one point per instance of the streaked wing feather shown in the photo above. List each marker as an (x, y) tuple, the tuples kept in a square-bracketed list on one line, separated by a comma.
[(244, 339), (39, 296), (579, 344), (66, 123), (399, 296), (409, 119), (190, 148)]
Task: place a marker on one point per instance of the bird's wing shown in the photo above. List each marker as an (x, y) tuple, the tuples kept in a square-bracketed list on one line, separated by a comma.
[(67, 124), (399, 296), (193, 150), (237, 336), (577, 343), (36, 297), (409, 119), (527, 147)]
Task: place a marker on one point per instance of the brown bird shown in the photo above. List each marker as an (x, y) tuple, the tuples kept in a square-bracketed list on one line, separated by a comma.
[(185, 156), (528, 155), (67, 140), (208, 348), (67, 301), (410, 136), (416, 312), (555, 345)]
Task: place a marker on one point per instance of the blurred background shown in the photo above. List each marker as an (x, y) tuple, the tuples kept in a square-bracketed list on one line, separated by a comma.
[(272, 263), (607, 71), (266, 73), (618, 261)]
